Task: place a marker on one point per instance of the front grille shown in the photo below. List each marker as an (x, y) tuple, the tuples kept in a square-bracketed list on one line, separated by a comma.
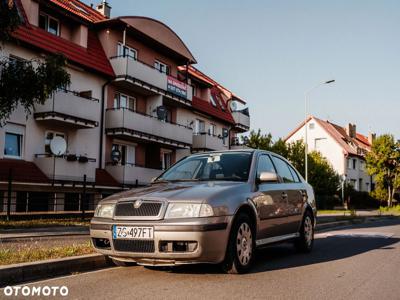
[(146, 209), (141, 246)]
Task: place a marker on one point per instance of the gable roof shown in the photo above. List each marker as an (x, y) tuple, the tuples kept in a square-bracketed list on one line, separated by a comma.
[(352, 146), (93, 57)]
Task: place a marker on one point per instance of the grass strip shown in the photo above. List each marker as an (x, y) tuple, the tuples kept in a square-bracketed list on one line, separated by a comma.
[(30, 254)]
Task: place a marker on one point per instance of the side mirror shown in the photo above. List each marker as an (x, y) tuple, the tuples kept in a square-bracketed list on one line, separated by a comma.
[(268, 177)]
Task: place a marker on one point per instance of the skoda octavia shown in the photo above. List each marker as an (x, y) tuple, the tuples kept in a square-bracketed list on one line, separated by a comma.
[(214, 207)]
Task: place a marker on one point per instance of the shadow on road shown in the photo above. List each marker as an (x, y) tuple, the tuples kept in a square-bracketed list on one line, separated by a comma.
[(326, 249)]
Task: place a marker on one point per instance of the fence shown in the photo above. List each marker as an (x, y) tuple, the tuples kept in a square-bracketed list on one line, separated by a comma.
[(74, 198)]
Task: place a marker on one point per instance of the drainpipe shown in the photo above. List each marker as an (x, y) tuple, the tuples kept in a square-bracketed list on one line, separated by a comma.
[(103, 94)]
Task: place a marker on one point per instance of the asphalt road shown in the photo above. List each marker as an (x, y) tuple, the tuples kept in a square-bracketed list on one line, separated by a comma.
[(357, 262)]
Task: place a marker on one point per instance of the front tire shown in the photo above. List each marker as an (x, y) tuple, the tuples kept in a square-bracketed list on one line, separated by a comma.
[(305, 241), (241, 245)]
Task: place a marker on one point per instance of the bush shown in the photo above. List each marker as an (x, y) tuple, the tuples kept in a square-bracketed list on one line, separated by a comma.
[(327, 201), (362, 200)]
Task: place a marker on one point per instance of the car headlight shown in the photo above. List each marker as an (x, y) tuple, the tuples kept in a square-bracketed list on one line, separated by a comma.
[(188, 210), (104, 211)]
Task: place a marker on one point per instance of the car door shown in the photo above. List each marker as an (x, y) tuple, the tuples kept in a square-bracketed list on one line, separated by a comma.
[(270, 201), (294, 191)]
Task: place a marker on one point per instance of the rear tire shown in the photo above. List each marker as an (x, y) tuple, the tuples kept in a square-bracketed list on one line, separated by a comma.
[(241, 246), (305, 241)]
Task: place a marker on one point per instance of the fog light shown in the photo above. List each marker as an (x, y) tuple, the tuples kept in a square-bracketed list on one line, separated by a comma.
[(101, 243), (178, 246)]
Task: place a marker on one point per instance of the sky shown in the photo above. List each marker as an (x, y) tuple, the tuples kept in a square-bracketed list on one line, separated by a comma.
[(271, 52)]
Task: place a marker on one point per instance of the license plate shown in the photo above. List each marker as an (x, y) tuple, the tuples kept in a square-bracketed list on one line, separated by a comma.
[(133, 232)]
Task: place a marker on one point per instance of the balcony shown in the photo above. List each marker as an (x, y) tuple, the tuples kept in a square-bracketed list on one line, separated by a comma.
[(242, 120), (208, 142), (68, 108), (131, 174), (151, 79), (127, 123), (66, 168)]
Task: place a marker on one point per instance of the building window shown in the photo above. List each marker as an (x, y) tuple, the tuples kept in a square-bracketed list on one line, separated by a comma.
[(362, 166), (194, 90), (124, 50), (49, 135), (199, 126), (213, 101), (49, 24), (163, 68), (311, 126), (13, 145), (212, 130), (354, 163), (127, 152), (166, 159), (124, 101)]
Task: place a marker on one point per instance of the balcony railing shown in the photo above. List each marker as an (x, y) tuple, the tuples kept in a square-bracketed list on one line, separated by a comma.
[(69, 108), (131, 174), (67, 167), (242, 120), (205, 141), (123, 121), (150, 78)]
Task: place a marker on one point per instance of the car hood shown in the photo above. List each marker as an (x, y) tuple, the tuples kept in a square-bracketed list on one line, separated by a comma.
[(180, 191)]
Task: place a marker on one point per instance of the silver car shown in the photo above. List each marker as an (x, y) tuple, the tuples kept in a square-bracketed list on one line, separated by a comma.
[(214, 207)]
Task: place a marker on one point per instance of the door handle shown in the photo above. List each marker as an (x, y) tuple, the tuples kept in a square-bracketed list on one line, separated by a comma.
[(284, 195)]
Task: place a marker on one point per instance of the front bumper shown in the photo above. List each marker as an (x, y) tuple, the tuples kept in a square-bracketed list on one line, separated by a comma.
[(211, 235)]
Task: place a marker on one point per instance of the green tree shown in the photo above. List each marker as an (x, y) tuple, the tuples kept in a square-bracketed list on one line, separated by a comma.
[(322, 176), (383, 162), (9, 19), (257, 140), (26, 82)]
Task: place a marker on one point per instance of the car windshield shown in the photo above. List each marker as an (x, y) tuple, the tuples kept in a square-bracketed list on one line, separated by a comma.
[(232, 166)]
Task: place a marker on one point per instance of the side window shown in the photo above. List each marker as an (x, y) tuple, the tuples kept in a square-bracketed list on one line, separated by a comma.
[(295, 175), (264, 165), (283, 169)]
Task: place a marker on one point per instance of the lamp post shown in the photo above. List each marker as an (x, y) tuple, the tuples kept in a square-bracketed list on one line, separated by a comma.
[(305, 123)]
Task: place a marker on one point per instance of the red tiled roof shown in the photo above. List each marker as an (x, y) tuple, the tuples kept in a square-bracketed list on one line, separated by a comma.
[(340, 135), (103, 178), (22, 171), (92, 57), (80, 9), (203, 77), (208, 108)]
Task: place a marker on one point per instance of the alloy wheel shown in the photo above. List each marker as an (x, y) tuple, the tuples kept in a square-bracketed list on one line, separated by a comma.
[(244, 244)]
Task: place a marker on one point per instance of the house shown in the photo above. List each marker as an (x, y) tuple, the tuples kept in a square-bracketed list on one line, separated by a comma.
[(136, 105), (343, 147)]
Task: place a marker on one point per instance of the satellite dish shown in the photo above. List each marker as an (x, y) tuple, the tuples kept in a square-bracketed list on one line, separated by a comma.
[(58, 146), (116, 156), (161, 112), (233, 105)]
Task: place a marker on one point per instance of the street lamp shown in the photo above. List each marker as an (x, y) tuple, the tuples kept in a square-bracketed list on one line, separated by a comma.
[(305, 123)]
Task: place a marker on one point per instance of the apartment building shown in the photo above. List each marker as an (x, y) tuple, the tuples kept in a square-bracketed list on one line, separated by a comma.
[(343, 147), (134, 107)]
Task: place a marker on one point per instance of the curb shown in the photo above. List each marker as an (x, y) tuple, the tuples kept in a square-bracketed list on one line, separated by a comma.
[(40, 235), (25, 272)]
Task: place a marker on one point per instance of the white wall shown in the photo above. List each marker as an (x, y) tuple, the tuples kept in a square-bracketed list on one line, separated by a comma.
[(332, 151)]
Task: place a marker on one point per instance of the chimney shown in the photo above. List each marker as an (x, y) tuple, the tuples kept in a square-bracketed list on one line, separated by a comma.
[(351, 130), (104, 9), (371, 137)]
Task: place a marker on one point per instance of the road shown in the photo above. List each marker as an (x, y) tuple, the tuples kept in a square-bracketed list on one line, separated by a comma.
[(356, 262)]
